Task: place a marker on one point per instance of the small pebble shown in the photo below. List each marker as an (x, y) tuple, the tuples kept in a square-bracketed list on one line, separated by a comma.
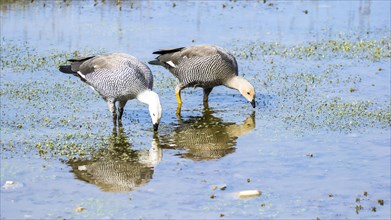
[(9, 183), (249, 193), (80, 209)]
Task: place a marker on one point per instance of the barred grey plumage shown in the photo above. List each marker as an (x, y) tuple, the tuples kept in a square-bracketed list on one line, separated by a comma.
[(117, 77), (204, 66)]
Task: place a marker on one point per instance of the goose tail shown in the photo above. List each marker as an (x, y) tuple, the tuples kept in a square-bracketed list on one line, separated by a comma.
[(66, 69), (155, 62)]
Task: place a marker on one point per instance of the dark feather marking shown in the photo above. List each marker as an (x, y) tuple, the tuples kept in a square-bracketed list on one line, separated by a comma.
[(165, 51)]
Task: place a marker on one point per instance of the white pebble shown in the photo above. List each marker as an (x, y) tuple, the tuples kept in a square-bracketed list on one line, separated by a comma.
[(249, 193), (9, 183)]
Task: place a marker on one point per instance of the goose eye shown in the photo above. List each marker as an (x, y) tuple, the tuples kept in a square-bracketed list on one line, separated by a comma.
[(248, 93)]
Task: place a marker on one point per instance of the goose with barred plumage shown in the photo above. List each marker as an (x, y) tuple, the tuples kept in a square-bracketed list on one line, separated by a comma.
[(118, 77), (203, 66)]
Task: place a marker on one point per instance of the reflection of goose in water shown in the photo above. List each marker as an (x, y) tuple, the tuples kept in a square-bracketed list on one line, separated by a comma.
[(118, 168), (207, 137)]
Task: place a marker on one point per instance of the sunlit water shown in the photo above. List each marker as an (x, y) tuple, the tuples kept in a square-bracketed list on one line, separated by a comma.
[(306, 164)]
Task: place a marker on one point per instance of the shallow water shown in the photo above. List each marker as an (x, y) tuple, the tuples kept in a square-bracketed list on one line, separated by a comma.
[(317, 145)]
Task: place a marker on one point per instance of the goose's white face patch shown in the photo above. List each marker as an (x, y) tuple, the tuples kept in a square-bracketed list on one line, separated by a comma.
[(171, 63)]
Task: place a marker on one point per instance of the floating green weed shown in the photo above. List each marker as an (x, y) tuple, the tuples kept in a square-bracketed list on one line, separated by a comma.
[(40, 90), (20, 56), (306, 96), (309, 82), (342, 47)]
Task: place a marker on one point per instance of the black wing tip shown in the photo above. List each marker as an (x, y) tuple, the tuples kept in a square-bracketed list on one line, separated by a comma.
[(80, 59), (165, 51)]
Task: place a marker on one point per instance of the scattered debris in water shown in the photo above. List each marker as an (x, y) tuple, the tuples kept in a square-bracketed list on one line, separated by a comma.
[(366, 203), (223, 187), (310, 155), (80, 209), (358, 208), (380, 201)]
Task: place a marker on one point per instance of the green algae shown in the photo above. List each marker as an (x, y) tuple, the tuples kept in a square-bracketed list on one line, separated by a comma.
[(309, 82), (342, 47), (22, 57), (367, 203), (303, 97)]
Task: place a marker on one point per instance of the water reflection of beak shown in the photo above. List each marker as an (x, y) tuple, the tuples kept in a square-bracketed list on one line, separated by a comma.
[(155, 126), (253, 103)]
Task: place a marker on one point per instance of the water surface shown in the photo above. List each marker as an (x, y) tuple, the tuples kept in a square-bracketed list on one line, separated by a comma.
[(317, 145)]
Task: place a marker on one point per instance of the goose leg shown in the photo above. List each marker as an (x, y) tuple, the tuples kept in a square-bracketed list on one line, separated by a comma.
[(111, 104), (178, 110), (121, 105), (178, 89), (206, 106), (206, 94)]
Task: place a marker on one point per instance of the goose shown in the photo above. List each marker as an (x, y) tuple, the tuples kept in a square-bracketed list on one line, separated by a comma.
[(203, 66), (118, 77)]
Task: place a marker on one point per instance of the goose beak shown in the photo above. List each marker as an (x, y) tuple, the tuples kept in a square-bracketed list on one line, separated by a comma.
[(155, 126), (253, 103)]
